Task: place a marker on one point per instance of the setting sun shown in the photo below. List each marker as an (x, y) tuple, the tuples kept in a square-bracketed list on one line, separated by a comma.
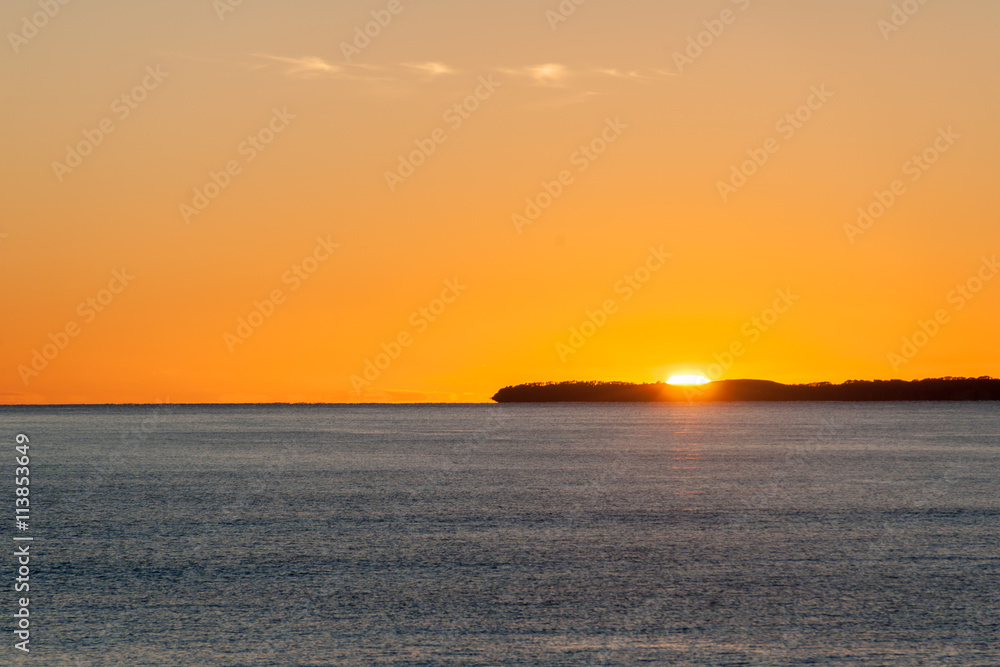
[(688, 380)]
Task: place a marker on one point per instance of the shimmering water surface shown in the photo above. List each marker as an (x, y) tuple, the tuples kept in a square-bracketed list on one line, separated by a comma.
[(736, 534)]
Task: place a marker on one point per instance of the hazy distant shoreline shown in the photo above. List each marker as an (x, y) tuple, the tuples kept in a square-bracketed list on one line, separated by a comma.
[(937, 389)]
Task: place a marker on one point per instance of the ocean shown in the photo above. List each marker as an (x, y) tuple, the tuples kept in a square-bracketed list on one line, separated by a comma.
[(562, 534)]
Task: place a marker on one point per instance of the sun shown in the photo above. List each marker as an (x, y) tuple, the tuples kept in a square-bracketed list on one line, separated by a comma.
[(688, 380)]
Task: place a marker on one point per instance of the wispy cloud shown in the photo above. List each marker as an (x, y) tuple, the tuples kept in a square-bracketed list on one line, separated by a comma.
[(549, 73), (434, 69), (305, 67), (311, 67), (555, 76), (558, 75), (635, 75)]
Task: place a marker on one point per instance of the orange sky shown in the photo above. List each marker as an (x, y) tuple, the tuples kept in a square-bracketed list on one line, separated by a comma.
[(614, 122)]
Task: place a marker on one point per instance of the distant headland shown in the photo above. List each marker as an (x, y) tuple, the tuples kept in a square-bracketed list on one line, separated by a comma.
[(938, 389)]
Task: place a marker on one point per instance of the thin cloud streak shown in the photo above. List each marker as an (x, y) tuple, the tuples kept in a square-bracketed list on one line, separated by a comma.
[(434, 69), (557, 75), (304, 67), (634, 75), (547, 75)]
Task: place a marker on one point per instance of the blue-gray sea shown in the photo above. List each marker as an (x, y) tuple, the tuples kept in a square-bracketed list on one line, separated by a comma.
[(706, 534)]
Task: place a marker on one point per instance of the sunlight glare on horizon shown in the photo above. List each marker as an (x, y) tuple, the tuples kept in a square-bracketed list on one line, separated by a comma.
[(688, 380)]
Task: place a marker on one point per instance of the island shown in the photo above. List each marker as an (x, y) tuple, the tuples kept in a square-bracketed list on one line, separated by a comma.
[(935, 389)]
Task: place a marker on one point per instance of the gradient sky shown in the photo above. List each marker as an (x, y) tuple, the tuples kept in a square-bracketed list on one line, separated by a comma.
[(678, 128)]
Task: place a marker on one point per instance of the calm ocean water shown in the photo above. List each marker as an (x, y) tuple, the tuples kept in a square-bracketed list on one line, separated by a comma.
[(735, 534)]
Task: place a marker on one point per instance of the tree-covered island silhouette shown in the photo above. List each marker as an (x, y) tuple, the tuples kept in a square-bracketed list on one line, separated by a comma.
[(931, 389)]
